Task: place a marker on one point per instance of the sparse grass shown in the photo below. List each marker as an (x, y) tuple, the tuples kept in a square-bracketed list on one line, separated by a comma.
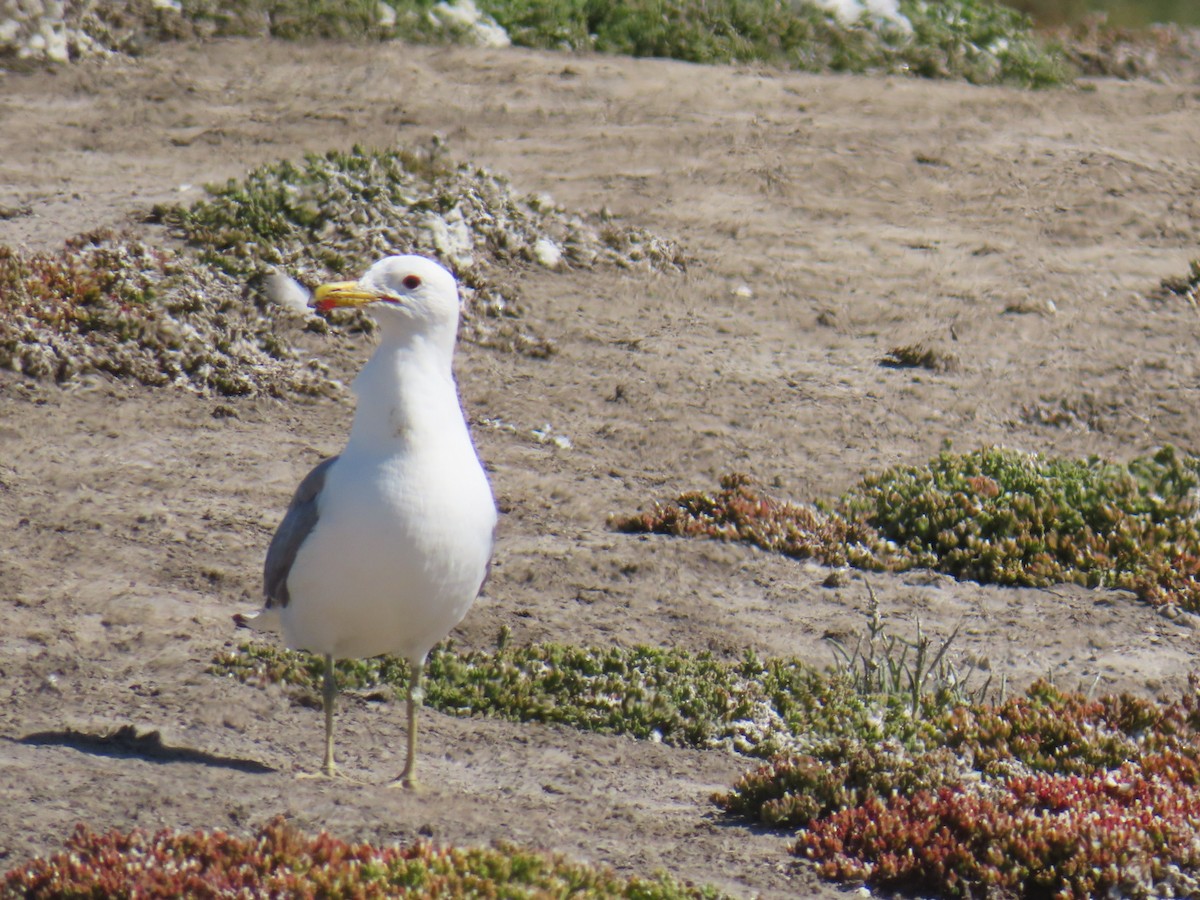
[(1083, 413), (994, 516), (883, 662), (280, 861)]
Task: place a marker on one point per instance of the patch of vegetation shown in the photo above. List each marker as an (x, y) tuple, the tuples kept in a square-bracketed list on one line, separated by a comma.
[(1046, 794), (977, 40), (1083, 413), (982, 42), (280, 861), (986, 795), (918, 356), (791, 790), (954, 779), (1096, 47), (642, 692), (1128, 833), (1187, 287), (106, 303), (757, 707), (334, 214), (1050, 794), (741, 511), (964, 735), (994, 516), (203, 316), (1068, 733), (1004, 517), (1079, 795), (1123, 12), (882, 662)]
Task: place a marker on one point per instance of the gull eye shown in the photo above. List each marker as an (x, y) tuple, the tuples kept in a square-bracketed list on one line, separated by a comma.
[(412, 282)]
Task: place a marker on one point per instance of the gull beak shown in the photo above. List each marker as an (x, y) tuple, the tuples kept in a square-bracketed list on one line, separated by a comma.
[(344, 294)]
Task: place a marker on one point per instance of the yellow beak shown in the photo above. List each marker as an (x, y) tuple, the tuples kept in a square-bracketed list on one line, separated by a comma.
[(342, 294)]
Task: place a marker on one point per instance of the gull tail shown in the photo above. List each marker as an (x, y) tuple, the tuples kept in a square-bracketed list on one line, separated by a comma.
[(266, 619)]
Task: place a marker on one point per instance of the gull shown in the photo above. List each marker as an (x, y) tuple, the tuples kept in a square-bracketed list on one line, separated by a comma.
[(385, 546)]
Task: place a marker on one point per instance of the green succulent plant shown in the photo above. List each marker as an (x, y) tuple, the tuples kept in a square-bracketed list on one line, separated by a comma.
[(995, 516), (200, 317), (981, 41)]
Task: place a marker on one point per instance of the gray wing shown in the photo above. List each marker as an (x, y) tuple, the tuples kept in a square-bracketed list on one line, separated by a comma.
[(298, 522)]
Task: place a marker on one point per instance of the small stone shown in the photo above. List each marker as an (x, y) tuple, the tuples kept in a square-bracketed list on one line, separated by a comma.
[(836, 578), (56, 44), (464, 17), (547, 253)]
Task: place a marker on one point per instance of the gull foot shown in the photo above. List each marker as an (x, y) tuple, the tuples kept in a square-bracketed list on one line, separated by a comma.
[(313, 776), (336, 775), (405, 782)]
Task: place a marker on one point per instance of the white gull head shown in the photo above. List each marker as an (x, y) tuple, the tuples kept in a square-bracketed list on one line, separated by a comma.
[(410, 297)]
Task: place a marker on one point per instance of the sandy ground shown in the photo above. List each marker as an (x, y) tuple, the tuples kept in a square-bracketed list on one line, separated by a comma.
[(829, 219)]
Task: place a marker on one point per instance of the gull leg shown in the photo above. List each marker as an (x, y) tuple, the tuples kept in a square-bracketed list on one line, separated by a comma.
[(416, 693), (328, 695)]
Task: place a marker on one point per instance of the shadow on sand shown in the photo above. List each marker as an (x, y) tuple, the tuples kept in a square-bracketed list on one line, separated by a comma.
[(126, 742)]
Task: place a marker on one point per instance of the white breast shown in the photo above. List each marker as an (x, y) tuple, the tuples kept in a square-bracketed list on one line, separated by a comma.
[(405, 522), (395, 560)]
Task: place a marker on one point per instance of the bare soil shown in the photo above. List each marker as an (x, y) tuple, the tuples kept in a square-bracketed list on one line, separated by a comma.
[(829, 219)]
